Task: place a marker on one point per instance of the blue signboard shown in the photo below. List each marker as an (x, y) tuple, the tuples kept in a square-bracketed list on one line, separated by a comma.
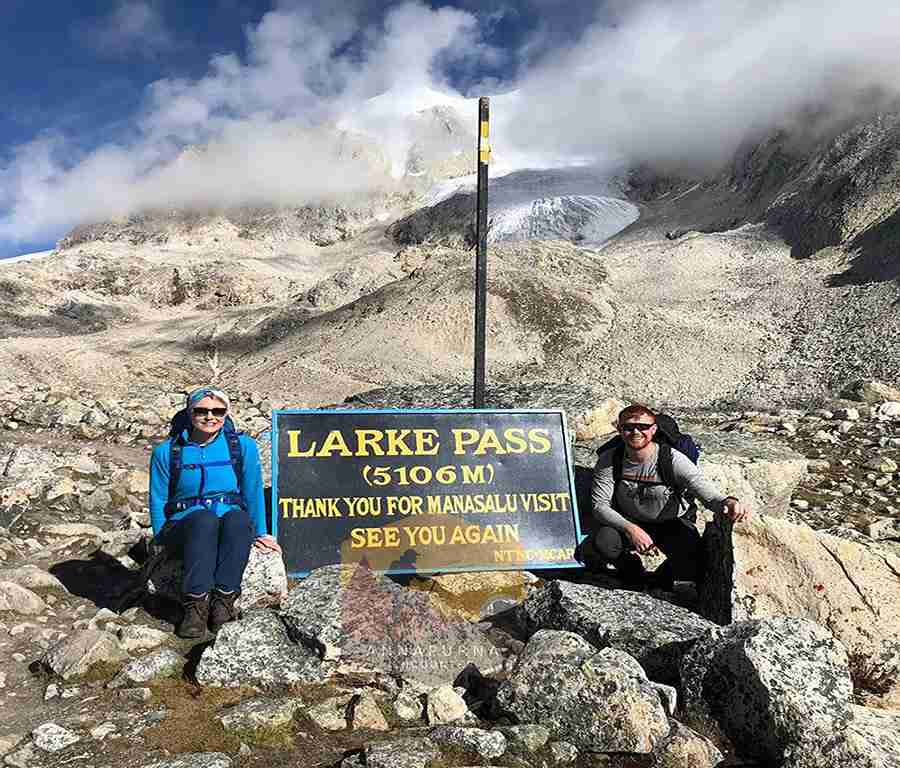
[(408, 491)]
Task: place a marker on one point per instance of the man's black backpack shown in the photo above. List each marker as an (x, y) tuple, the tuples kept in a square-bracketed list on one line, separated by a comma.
[(668, 436), (180, 422)]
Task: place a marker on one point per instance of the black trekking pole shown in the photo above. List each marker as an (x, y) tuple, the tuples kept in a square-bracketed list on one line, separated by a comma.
[(481, 228)]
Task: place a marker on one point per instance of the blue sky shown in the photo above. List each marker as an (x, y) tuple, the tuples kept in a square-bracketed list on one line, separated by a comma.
[(83, 77)]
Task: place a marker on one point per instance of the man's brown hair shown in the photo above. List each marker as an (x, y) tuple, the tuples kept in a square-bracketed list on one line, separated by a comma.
[(636, 409)]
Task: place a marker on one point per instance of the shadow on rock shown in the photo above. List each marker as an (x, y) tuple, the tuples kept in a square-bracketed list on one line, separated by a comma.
[(102, 579)]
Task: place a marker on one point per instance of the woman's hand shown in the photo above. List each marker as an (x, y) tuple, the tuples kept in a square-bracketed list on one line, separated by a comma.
[(267, 543)]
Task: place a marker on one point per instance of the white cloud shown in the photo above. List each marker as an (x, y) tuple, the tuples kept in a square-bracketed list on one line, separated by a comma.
[(677, 82), (134, 27), (683, 83), (258, 117)]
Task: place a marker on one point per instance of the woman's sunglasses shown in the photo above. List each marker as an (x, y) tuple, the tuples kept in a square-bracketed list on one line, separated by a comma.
[(204, 412)]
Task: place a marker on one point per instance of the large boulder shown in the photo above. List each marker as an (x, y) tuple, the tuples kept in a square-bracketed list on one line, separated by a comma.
[(600, 701), (264, 581), (653, 631), (350, 613), (766, 567), (876, 732), (258, 650), (684, 748), (761, 472), (778, 689), (73, 656)]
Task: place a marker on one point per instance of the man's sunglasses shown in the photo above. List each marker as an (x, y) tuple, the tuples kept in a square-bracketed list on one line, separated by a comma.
[(633, 426), (204, 412)]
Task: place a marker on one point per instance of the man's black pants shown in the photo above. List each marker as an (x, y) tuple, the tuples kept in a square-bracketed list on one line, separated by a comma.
[(678, 539)]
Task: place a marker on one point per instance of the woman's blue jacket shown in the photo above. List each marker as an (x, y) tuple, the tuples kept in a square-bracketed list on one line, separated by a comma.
[(215, 478)]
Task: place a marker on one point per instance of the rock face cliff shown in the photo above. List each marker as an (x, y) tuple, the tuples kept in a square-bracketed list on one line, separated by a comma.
[(838, 190)]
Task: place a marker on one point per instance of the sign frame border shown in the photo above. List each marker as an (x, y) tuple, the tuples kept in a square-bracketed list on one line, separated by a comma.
[(567, 447)]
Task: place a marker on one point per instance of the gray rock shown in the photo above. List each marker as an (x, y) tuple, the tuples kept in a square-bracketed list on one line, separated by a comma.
[(445, 705), (331, 714), (684, 748), (884, 528), (408, 706), (401, 753), (259, 712), (668, 696), (137, 637), (140, 694), (876, 733), (486, 744), (766, 567), (348, 612), (367, 714), (653, 631), (562, 753), (762, 472), (164, 663), (19, 600), (51, 737), (524, 739), (22, 757), (74, 655), (257, 650), (73, 530), (871, 392), (775, 688), (600, 701), (32, 577), (195, 760), (264, 581)]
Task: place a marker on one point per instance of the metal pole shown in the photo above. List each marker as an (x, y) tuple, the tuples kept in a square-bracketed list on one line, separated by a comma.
[(481, 227)]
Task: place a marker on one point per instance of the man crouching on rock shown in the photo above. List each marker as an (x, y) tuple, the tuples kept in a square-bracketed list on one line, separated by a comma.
[(639, 512)]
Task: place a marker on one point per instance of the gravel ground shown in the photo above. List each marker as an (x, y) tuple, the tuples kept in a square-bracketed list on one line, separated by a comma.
[(732, 319)]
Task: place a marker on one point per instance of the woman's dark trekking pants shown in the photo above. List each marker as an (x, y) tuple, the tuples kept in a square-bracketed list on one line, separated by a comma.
[(678, 539), (215, 550)]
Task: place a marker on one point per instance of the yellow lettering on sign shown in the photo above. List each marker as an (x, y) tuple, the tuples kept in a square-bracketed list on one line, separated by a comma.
[(540, 440), (369, 440), (294, 445)]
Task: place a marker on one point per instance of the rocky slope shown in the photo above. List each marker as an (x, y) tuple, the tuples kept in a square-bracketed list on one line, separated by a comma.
[(91, 671)]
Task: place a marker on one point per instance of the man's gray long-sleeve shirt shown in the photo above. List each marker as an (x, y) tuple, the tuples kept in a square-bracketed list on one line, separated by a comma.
[(638, 500)]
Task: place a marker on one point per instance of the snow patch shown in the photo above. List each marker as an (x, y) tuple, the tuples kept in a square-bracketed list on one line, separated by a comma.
[(25, 257), (580, 218)]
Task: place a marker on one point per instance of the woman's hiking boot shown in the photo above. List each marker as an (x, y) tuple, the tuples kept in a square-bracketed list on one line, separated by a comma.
[(195, 617), (222, 609)]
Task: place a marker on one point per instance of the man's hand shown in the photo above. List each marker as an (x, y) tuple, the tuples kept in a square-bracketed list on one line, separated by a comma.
[(736, 511), (639, 538), (267, 543)]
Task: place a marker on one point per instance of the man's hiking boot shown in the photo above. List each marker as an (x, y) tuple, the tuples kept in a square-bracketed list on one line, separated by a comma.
[(196, 614), (661, 578), (222, 609), (630, 569)]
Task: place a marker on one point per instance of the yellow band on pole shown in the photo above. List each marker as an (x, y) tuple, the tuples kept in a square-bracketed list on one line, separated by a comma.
[(484, 129), (484, 155)]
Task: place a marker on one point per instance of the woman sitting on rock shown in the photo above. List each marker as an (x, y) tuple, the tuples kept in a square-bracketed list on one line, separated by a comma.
[(207, 507)]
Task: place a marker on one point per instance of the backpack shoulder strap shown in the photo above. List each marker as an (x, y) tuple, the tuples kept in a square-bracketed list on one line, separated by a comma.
[(236, 454), (617, 459), (664, 465), (174, 465)]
